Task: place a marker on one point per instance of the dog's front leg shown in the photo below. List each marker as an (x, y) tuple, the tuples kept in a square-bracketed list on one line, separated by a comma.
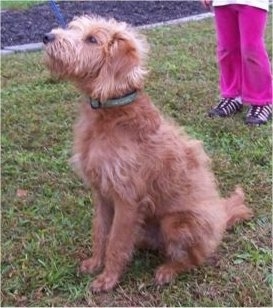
[(120, 246), (101, 228)]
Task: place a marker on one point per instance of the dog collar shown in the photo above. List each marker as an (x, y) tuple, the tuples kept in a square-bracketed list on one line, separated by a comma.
[(115, 102)]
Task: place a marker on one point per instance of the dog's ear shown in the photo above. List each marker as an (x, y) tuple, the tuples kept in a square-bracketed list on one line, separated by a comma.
[(123, 70), (126, 57)]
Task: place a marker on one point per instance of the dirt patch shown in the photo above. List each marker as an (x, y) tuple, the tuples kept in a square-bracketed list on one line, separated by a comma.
[(28, 26)]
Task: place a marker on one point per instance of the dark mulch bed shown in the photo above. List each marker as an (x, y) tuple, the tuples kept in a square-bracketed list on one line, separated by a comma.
[(28, 26)]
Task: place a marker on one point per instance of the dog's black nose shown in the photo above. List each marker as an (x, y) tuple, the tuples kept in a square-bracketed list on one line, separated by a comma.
[(48, 37)]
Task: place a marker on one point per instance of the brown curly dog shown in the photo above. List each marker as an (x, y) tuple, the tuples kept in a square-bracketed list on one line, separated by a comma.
[(152, 184)]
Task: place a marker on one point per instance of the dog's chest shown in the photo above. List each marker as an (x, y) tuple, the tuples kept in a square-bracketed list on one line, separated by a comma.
[(103, 158)]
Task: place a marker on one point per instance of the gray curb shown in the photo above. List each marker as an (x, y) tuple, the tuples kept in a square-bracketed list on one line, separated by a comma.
[(178, 21), (6, 52), (24, 47), (38, 46)]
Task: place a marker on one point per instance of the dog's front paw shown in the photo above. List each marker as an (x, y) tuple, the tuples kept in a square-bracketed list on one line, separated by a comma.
[(104, 282), (90, 266), (164, 274)]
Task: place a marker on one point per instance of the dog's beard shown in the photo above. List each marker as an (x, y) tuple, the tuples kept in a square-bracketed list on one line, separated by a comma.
[(61, 58), (63, 61)]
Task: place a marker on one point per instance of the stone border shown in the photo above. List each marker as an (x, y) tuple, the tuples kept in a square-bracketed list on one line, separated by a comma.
[(38, 46), (23, 47), (178, 21)]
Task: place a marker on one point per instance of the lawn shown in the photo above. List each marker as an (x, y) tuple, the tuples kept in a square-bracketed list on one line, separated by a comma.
[(18, 4), (46, 211)]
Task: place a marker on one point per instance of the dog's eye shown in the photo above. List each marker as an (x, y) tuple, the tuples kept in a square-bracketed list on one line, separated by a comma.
[(91, 39)]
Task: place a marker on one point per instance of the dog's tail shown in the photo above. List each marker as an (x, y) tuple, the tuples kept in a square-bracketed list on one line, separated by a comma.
[(236, 209)]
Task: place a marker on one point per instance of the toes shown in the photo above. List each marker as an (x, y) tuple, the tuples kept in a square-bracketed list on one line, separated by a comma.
[(90, 266), (164, 275), (104, 283)]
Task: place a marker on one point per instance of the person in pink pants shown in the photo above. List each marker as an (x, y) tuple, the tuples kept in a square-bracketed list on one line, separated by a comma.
[(244, 66)]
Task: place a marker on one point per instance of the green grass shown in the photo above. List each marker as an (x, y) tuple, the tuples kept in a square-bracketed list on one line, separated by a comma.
[(18, 4), (46, 211)]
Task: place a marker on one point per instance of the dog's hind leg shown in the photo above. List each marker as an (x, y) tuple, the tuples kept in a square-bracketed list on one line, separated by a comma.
[(150, 236), (103, 217), (188, 241)]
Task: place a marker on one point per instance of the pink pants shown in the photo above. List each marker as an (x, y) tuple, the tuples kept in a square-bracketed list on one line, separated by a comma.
[(242, 58)]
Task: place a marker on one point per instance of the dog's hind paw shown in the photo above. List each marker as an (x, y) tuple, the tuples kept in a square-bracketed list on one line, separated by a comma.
[(104, 283), (164, 274), (90, 266)]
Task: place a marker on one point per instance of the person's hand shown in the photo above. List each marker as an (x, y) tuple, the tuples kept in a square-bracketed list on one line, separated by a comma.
[(206, 3)]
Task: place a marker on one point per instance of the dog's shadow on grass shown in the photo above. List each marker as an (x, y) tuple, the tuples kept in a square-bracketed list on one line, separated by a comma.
[(54, 80), (136, 287), (142, 267)]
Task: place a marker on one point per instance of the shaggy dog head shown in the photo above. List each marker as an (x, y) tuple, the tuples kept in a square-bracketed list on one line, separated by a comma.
[(104, 58)]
